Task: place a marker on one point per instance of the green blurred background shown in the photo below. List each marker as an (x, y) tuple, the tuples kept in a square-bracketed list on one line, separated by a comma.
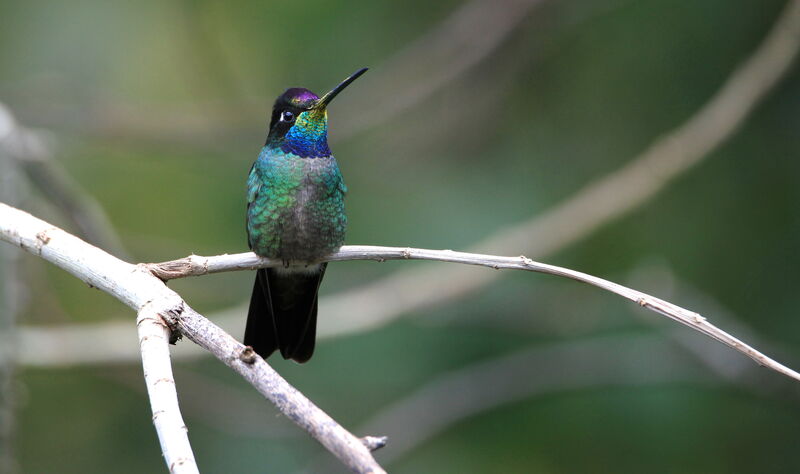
[(157, 109)]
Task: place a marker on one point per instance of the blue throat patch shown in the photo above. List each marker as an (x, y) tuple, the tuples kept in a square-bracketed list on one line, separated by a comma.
[(306, 145), (308, 137)]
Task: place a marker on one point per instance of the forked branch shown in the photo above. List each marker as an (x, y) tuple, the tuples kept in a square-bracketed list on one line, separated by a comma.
[(146, 294)]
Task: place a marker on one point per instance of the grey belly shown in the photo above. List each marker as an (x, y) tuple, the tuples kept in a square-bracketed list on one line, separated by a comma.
[(309, 231)]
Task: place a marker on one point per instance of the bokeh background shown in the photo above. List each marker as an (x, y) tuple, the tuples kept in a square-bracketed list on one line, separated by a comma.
[(475, 118)]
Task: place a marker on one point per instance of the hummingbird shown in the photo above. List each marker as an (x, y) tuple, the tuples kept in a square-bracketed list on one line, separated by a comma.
[(295, 213)]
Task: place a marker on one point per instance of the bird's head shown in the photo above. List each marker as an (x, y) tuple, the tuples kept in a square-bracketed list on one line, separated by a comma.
[(299, 123)]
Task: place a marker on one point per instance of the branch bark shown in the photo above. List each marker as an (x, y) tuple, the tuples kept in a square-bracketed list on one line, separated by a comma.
[(139, 289)]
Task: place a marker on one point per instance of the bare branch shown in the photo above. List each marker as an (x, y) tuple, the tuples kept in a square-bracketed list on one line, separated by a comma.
[(196, 265), (172, 432), (138, 289)]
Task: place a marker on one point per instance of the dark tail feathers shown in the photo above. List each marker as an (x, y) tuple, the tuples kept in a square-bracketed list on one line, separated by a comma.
[(283, 313)]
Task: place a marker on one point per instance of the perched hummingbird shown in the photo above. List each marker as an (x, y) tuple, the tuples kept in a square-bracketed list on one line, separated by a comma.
[(295, 212)]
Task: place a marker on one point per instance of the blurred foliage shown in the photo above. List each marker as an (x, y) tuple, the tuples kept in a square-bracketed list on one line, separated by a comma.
[(161, 107)]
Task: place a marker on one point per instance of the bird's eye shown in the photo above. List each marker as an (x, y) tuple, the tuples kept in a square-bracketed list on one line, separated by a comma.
[(287, 116)]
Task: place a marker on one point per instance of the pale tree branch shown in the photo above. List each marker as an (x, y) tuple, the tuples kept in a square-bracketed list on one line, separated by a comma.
[(139, 289), (172, 432), (196, 265)]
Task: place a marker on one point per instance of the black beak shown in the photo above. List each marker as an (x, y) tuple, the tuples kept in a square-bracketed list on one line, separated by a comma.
[(327, 98)]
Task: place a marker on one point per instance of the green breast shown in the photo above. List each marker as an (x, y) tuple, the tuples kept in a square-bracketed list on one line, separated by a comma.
[(295, 206)]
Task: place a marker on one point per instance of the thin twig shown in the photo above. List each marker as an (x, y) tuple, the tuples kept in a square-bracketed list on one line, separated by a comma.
[(714, 358), (195, 265), (138, 288)]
